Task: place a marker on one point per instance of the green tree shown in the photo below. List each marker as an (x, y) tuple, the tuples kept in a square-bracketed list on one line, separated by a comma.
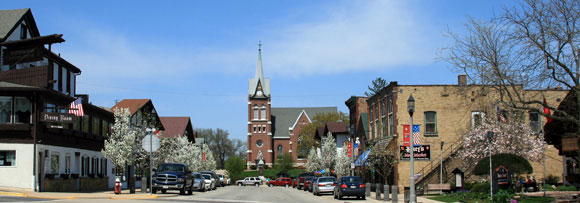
[(285, 162), (235, 167), (306, 138), (377, 85)]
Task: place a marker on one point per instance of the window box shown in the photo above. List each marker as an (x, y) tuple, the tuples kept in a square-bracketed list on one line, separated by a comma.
[(101, 176), (64, 176), (49, 176), (91, 175), (75, 176)]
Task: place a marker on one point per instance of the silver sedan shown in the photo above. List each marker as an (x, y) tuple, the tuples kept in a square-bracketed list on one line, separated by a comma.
[(324, 184)]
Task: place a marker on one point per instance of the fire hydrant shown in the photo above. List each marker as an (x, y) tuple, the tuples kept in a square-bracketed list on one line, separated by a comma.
[(117, 186)]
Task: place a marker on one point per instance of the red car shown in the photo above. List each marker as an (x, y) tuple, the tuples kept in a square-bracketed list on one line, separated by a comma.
[(308, 182), (280, 182), (300, 184)]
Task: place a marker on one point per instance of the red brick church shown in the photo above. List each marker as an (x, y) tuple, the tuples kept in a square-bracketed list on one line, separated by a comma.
[(273, 131)]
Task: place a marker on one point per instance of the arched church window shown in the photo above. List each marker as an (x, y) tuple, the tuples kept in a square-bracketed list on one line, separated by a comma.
[(263, 112), (255, 112), (280, 150)]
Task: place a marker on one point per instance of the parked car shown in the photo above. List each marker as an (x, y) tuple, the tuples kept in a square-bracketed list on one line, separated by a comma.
[(323, 184), (307, 181), (301, 177), (209, 180), (198, 182), (349, 186), (173, 176), (249, 181), (214, 176), (222, 179), (280, 182)]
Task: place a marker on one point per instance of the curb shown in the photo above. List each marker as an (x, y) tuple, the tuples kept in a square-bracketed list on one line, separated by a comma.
[(15, 194), (130, 198), (39, 197), (18, 194)]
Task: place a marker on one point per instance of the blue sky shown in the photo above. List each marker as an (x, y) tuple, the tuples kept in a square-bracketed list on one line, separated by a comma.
[(194, 58)]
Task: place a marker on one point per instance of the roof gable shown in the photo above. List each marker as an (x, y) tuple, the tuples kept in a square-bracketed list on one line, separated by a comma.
[(11, 19), (175, 126), (284, 118), (132, 104)]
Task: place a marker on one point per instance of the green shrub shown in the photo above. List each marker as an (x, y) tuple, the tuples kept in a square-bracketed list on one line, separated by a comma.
[(550, 188), (266, 166), (253, 167), (552, 179), (482, 187), (468, 185), (502, 196), (566, 188)]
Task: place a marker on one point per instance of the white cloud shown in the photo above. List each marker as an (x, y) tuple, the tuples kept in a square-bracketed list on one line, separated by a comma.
[(351, 36)]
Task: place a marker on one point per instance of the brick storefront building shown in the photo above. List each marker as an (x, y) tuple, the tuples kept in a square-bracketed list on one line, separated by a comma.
[(445, 113)]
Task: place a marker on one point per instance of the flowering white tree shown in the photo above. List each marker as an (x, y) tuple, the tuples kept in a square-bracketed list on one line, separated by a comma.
[(511, 137), (119, 147), (313, 163), (328, 154), (343, 163), (179, 150)]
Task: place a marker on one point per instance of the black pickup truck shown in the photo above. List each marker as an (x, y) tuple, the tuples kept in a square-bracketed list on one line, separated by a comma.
[(172, 176)]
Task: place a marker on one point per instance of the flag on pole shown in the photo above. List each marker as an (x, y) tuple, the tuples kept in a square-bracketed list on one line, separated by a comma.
[(76, 107), (546, 111), (406, 135), (416, 136)]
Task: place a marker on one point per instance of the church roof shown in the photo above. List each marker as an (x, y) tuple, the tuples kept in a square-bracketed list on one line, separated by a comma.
[(285, 118)]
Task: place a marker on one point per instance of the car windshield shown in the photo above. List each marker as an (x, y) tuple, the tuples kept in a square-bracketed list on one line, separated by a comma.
[(197, 175), (172, 168), (320, 180), (351, 179), (206, 176)]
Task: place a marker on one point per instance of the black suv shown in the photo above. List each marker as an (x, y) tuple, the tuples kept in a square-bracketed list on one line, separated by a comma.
[(172, 176)]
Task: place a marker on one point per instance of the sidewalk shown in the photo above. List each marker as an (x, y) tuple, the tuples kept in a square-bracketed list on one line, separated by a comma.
[(400, 198), (20, 192)]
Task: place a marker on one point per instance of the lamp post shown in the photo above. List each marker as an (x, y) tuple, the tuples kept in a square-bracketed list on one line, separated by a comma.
[(441, 166), (489, 137), (411, 110)]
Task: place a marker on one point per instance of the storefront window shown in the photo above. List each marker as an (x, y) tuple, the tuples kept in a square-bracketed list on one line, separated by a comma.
[(7, 158), (22, 109), (54, 164), (5, 109)]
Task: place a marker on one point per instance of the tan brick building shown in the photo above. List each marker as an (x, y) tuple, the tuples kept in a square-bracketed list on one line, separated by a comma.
[(445, 113)]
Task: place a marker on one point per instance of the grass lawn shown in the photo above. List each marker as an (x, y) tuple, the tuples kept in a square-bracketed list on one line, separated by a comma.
[(445, 198), (524, 199), (271, 173), (536, 200)]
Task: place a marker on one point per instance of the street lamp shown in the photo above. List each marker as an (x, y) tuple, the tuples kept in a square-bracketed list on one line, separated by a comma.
[(411, 110), (490, 137)]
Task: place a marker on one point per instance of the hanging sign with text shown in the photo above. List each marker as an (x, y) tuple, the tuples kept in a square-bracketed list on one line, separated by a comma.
[(422, 152), (406, 135), (54, 117), (349, 149)]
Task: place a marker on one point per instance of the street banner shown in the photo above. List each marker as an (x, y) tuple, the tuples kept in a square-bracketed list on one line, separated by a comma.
[(406, 135), (416, 135), (349, 149)]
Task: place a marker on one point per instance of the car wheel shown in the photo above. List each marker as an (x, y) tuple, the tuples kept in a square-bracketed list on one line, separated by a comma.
[(154, 191), (163, 191), (270, 185), (363, 198)]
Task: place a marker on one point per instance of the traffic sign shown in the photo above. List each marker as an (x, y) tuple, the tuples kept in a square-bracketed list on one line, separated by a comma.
[(150, 142)]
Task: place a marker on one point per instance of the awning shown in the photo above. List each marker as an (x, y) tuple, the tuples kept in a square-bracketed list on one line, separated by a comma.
[(362, 159)]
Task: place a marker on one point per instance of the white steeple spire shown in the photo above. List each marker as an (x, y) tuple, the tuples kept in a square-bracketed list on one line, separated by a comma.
[(259, 77), (259, 72)]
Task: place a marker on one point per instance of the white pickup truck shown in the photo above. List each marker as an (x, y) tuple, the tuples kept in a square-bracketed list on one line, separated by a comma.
[(249, 181)]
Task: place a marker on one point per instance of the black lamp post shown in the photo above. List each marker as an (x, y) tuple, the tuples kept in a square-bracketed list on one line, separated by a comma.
[(490, 138), (411, 110)]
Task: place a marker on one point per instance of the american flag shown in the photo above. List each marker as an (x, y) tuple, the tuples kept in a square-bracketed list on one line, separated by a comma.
[(416, 136), (76, 107)]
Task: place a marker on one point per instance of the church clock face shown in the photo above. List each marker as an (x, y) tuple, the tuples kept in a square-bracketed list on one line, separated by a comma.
[(259, 93)]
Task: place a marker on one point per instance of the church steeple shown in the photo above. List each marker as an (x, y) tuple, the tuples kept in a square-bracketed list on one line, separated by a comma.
[(259, 72), (259, 79)]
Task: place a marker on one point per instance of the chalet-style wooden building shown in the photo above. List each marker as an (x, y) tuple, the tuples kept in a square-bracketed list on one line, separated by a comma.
[(42, 146)]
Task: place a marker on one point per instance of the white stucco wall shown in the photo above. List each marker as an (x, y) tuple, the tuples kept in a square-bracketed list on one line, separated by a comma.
[(21, 175)]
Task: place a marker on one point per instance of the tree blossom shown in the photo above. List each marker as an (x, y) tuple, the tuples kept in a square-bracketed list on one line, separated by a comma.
[(119, 147), (343, 163), (511, 137)]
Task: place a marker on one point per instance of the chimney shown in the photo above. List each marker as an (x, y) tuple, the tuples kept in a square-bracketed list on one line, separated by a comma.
[(462, 79)]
